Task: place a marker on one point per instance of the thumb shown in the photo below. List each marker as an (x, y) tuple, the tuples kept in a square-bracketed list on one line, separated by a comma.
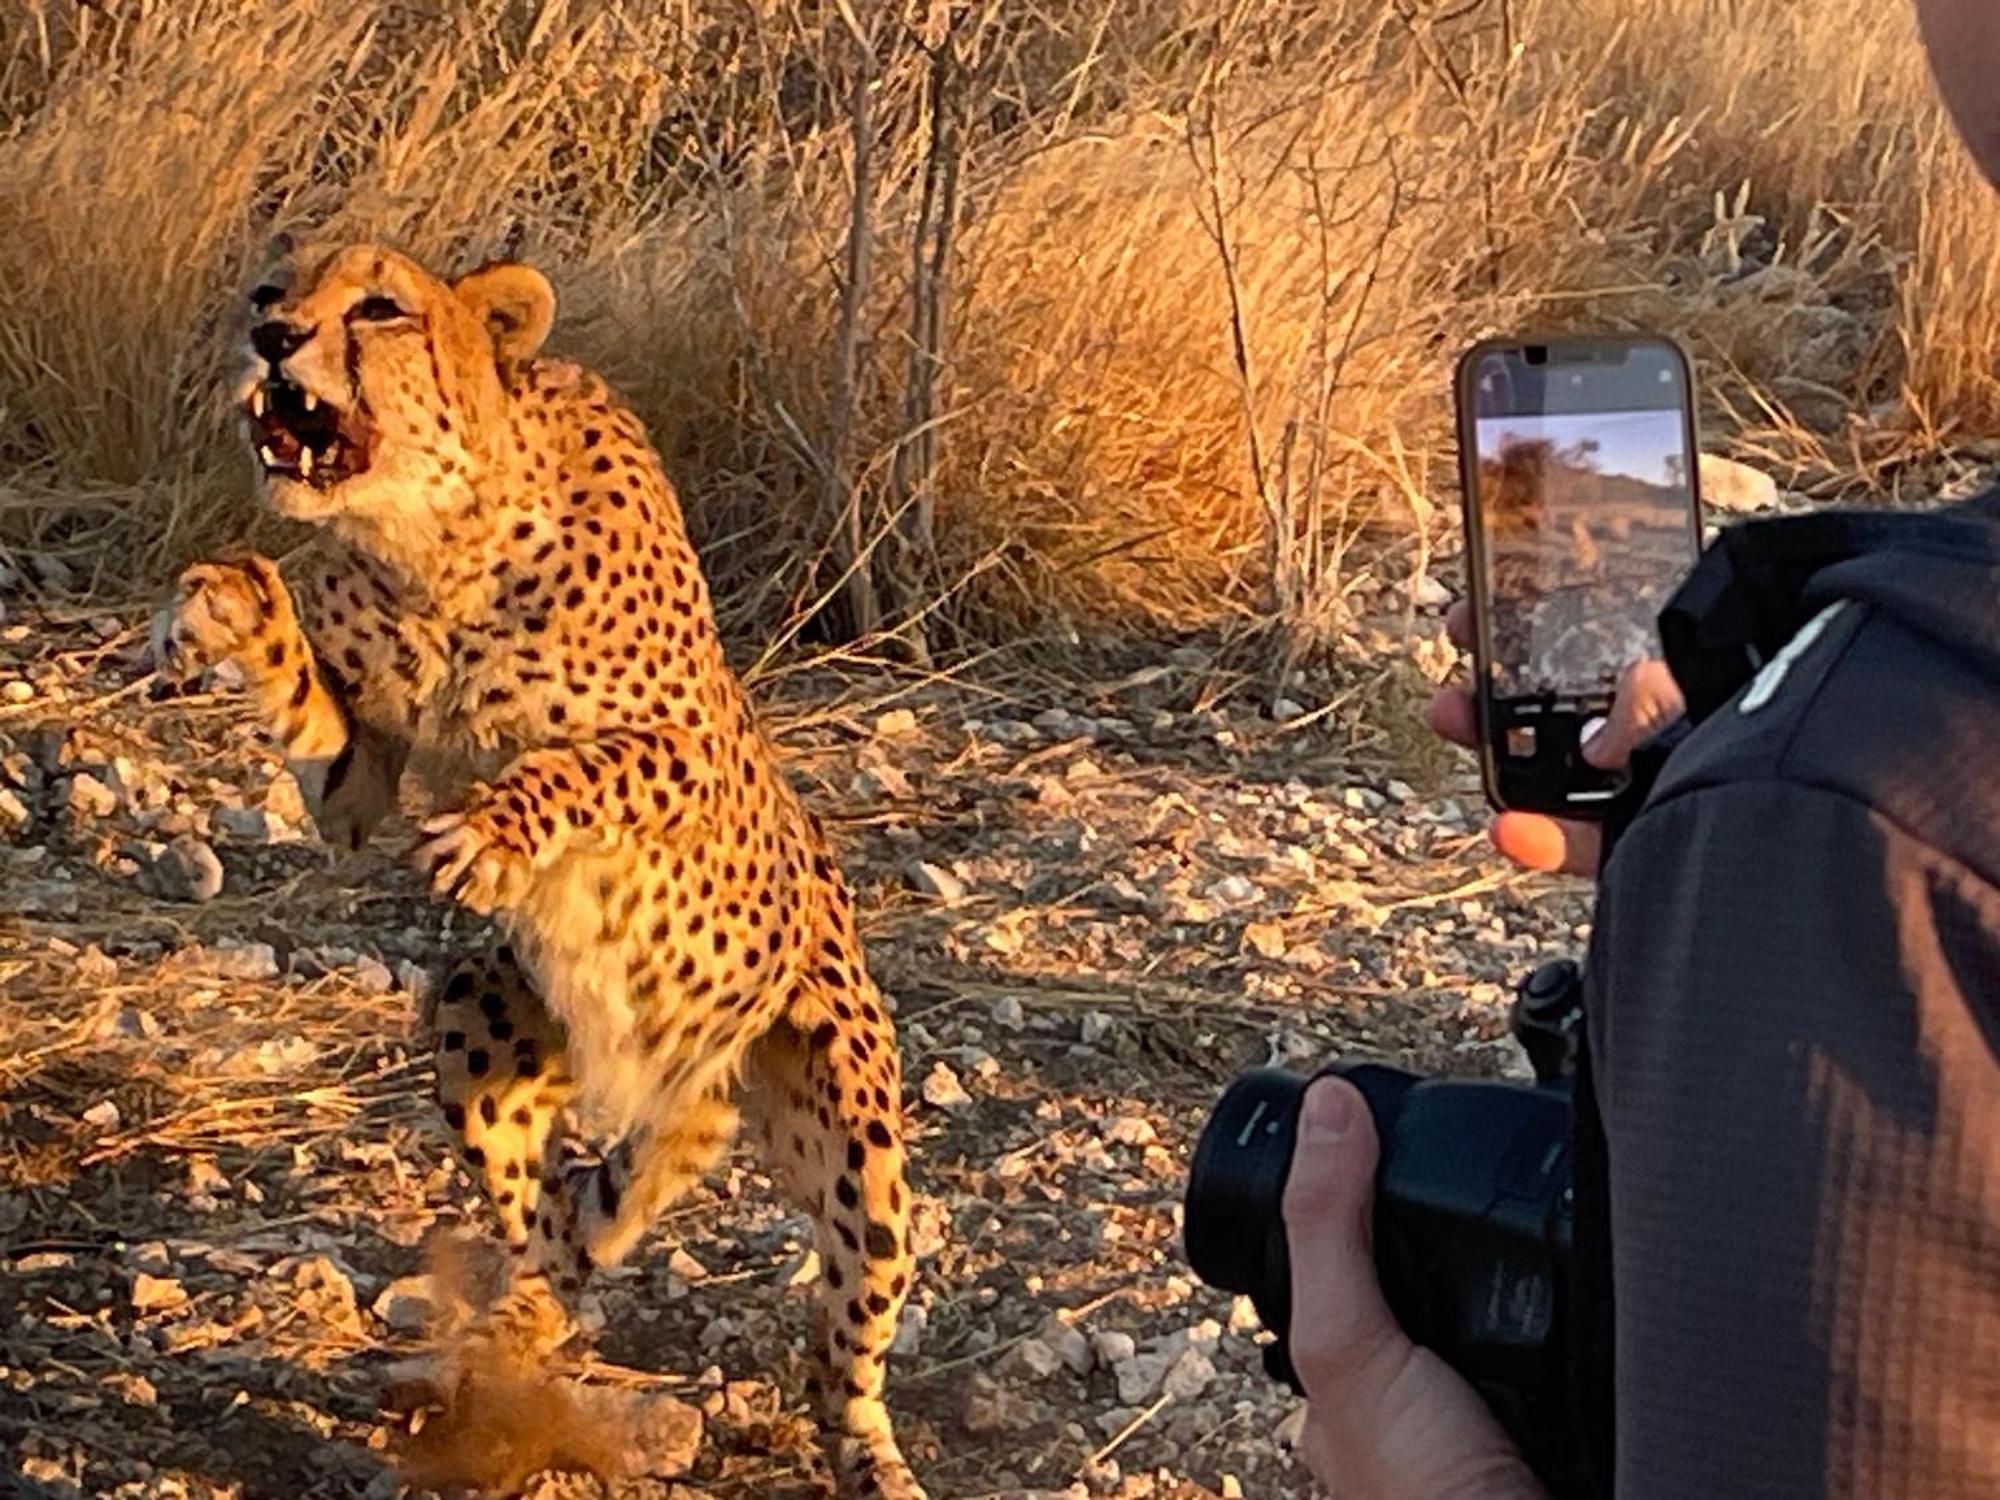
[(1648, 700), (1340, 1322)]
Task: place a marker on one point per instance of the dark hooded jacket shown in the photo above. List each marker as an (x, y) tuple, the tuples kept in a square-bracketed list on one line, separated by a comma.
[(1793, 1003)]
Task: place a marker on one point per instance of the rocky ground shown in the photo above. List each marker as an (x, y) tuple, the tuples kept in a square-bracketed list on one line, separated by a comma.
[(1092, 905)]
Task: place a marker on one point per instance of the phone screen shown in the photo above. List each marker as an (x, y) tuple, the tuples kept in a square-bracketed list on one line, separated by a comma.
[(1583, 467)]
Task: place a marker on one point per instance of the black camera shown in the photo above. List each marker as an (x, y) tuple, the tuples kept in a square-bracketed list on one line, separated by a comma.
[(1472, 1222)]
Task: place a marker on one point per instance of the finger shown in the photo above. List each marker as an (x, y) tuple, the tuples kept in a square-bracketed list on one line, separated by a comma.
[(1458, 624), (1340, 1321), (1453, 715), (1648, 701), (1553, 845)]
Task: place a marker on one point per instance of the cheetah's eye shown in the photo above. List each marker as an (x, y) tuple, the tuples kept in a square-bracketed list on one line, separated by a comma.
[(377, 310)]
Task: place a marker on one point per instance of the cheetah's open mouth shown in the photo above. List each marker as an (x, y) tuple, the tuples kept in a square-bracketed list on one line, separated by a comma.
[(299, 436)]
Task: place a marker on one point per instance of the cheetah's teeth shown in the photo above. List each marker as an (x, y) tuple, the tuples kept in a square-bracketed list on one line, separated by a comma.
[(257, 402), (305, 463), (312, 401), (270, 459)]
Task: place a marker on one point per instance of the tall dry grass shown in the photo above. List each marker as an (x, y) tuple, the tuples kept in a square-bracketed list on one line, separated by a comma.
[(1159, 296)]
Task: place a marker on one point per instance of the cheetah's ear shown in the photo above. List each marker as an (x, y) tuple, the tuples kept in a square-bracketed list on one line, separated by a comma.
[(515, 302)]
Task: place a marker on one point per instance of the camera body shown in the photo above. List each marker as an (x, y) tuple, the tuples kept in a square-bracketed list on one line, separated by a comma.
[(1473, 1212)]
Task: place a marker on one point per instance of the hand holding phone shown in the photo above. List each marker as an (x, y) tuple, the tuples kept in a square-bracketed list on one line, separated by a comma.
[(1648, 700), (1579, 471)]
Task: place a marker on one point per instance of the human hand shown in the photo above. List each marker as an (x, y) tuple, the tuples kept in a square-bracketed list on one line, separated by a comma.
[(1385, 1419), (1648, 700)]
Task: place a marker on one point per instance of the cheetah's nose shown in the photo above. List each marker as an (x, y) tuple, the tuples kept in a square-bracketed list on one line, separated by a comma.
[(276, 340)]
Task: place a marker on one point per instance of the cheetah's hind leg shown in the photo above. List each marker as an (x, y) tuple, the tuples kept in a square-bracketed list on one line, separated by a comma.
[(828, 1114), (503, 1080)]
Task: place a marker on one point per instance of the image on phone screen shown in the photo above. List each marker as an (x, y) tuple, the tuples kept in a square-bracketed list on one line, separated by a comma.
[(1586, 513)]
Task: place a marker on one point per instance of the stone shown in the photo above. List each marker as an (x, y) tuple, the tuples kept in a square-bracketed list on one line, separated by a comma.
[(1007, 1012), (1035, 1358), (185, 870), (991, 1407), (247, 823), (1093, 1028), (1189, 1375), (372, 976), (1113, 1347), (88, 797), (406, 1304), (895, 724), (942, 1090), (1266, 938), (156, 1293), (1732, 486), (1131, 1130), (1071, 1346), (910, 1326), (1140, 1377), (934, 881), (1428, 592), (1233, 890)]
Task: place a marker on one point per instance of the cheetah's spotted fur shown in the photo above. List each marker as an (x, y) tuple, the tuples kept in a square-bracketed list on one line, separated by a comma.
[(509, 581)]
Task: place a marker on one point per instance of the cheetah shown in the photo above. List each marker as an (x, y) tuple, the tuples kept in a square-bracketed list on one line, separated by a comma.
[(507, 585)]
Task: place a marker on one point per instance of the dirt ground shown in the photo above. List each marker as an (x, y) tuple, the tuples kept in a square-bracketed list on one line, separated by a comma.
[(1092, 907)]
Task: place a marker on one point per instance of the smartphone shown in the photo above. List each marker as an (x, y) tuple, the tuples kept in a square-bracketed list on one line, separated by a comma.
[(1577, 461)]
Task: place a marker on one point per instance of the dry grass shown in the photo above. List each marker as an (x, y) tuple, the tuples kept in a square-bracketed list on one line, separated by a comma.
[(1207, 269)]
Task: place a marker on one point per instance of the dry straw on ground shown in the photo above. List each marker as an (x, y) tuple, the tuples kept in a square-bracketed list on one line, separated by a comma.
[(1157, 299)]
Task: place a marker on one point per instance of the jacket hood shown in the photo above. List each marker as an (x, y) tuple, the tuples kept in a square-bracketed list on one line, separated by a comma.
[(1937, 573)]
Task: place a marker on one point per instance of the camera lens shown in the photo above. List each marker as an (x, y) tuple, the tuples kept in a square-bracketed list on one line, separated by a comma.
[(1236, 1185), (1233, 1218)]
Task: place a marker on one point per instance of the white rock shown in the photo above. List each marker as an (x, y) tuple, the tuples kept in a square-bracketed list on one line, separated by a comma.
[(156, 1293), (685, 1266), (1233, 890), (1007, 1012), (373, 976), (232, 958), (88, 797), (1132, 1130), (1284, 711), (910, 1328), (1732, 486), (1093, 1028), (942, 1090), (1427, 592), (103, 1114), (934, 881)]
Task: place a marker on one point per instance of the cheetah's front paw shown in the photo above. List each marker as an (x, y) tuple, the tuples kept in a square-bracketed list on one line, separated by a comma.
[(478, 858), (222, 612)]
